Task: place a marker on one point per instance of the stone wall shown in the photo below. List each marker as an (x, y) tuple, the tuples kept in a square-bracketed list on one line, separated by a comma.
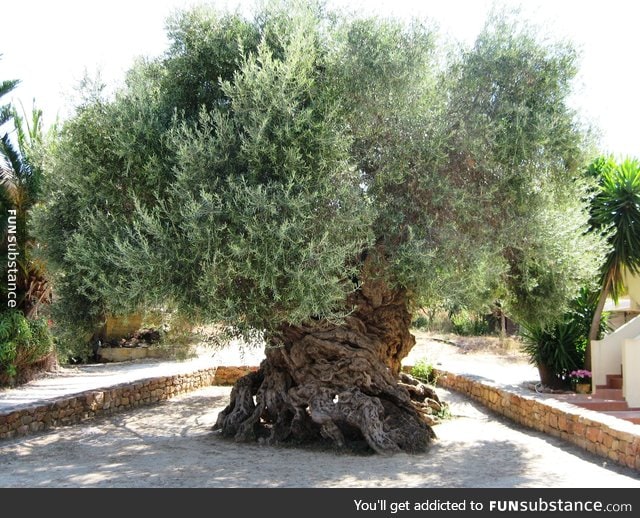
[(94, 403), (611, 438)]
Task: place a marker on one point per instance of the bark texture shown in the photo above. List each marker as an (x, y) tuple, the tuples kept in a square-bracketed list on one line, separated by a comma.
[(338, 383)]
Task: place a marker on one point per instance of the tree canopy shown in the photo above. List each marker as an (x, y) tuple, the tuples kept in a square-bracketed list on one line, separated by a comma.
[(248, 172), (313, 177)]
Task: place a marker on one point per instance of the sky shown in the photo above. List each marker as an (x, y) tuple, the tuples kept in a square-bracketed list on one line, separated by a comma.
[(50, 45)]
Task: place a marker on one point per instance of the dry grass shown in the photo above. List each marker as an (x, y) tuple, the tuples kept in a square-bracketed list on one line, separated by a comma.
[(510, 346)]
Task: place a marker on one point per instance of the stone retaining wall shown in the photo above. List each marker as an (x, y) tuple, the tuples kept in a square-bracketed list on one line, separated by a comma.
[(612, 438), (93, 403)]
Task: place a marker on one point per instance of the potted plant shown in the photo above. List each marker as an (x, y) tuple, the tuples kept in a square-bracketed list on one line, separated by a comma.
[(581, 381), (554, 350)]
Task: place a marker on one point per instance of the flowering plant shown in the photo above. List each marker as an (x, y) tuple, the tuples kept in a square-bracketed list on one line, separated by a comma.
[(580, 376)]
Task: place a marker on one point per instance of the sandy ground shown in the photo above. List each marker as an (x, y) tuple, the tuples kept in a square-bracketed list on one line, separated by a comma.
[(171, 445)]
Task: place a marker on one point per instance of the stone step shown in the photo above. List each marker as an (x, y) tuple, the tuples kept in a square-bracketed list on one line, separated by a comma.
[(631, 415), (603, 405), (614, 381), (608, 393)]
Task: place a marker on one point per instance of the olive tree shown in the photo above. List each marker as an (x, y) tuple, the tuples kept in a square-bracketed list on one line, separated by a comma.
[(312, 178)]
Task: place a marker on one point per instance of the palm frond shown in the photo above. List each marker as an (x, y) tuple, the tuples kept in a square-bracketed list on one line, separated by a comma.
[(617, 211), (14, 166), (7, 85), (6, 110)]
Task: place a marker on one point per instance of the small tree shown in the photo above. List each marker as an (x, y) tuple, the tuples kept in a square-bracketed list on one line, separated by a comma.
[(330, 175)]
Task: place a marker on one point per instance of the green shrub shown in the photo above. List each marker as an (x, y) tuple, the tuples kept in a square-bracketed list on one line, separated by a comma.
[(23, 343), (468, 323), (445, 412), (420, 322), (423, 371), (74, 346), (559, 348)]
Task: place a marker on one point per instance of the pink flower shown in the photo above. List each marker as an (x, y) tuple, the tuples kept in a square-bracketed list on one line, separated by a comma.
[(580, 374)]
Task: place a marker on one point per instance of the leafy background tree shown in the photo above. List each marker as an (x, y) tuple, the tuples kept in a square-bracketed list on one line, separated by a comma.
[(312, 178)]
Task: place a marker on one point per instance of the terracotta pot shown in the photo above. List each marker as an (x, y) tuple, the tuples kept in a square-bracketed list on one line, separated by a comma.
[(583, 388)]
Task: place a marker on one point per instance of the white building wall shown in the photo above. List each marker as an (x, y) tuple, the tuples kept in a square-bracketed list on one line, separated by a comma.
[(606, 354), (631, 372)]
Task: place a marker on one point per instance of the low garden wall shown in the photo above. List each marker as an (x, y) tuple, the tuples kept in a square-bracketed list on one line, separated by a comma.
[(94, 403), (614, 439)]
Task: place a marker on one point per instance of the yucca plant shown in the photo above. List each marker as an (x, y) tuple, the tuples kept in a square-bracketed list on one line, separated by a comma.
[(25, 341), (556, 350), (6, 114), (6, 86), (560, 348)]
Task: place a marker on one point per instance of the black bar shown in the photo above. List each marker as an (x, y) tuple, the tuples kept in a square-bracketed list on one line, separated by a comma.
[(328, 503)]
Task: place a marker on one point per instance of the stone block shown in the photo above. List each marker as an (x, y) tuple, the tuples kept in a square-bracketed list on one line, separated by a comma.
[(562, 423), (592, 434), (62, 403), (602, 450), (36, 426), (13, 417), (122, 354)]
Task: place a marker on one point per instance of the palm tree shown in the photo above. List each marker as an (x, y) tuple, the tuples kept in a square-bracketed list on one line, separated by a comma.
[(616, 211), (6, 114), (20, 190), (6, 86)]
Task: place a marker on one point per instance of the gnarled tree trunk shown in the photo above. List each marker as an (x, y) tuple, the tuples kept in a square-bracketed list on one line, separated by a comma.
[(342, 383)]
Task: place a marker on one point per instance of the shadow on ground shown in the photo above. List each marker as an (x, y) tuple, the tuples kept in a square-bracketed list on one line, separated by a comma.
[(171, 445)]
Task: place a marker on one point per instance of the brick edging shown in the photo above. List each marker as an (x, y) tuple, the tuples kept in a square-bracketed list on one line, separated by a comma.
[(606, 436), (89, 404)]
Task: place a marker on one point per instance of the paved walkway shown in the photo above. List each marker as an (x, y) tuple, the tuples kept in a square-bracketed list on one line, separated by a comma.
[(506, 370), (509, 370), (70, 380)]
